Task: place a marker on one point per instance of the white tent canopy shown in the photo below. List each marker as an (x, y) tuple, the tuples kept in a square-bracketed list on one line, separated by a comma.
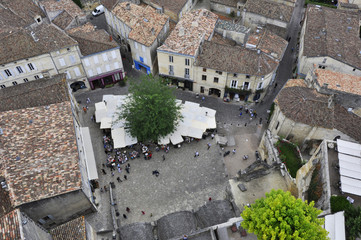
[(335, 226), (196, 120), (89, 154), (349, 156)]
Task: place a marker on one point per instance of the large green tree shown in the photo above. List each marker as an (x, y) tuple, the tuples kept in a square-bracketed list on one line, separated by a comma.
[(281, 216), (152, 111)]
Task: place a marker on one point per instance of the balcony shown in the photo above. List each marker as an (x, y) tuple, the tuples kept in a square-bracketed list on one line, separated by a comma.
[(186, 76)]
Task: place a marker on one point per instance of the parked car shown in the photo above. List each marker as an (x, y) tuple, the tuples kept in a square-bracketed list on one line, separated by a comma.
[(98, 10), (75, 86)]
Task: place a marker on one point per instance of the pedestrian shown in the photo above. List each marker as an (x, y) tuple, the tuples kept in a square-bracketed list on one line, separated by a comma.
[(209, 146), (119, 168), (103, 164), (88, 100), (240, 108), (86, 106), (85, 109), (127, 169), (125, 177), (206, 113), (128, 165), (196, 154), (163, 157), (112, 174), (124, 216), (143, 213), (246, 110), (118, 179), (275, 85), (151, 215), (104, 172), (210, 199), (240, 114), (101, 189), (234, 151), (203, 98), (105, 188), (92, 118), (212, 135), (127, 209), (185, 237), (245, 124), (260, 121)]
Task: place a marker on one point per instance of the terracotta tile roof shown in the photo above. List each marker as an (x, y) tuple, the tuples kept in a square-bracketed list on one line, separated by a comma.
[(338, 39), (26, 10), (270, 9), (74, 229), (109, 4), (306, 105), (60, 5), (63, 20), (231, 3), (37, 93), (339, 81), (20, 44), (10, 20), (91, 40), (174, 5), (268, 42), (41, 152), (190, 31), (235, 59), (5, 203), (9, 226), (142, 21)]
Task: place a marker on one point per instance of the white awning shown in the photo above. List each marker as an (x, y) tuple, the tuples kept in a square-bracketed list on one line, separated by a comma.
[(350, 185), (349, 148), (129, 139), (350, 166), (106, 123), (335, 225), (118, 136), (100, 111), (194, 132), (89, 154), (176, 137)]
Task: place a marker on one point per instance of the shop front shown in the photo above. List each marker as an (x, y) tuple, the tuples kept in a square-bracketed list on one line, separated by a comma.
[(103, 80)]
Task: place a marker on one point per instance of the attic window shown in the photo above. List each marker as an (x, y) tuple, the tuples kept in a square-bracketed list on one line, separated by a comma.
[(38, 20), (145, 20)]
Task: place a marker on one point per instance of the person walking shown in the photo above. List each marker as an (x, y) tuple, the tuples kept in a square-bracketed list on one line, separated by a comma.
[(104, 172), (87, 100), (125, 177), (85, 109), (143, 213), (128, 209), (105, 188), (125, 216), (163, 157), (196, 154), (234, 151), (209, 146), (127, 169), (212, 135), (118, 179)]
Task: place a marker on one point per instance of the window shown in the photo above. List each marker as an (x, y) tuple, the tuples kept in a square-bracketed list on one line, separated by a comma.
[(235, 75), (260, 85), (96, 60), (20, 69), (202, 89), (31, 66), (136, 45), (248, 76), (114, 55), (143, 48), (215, 80), (72, 59), (278, 124), (204, 77), (219, 72), (245, 85), (68, 76), (322, 67), (90, 72), (62, 62), (2, 86), (234, 84), (8, 72), (86, 62), (116, 65), (204, 69), (324, 60), (38, 19), (26, 80), (99, 70), (171, 59), (14, 83), (187, 71), (116, 76), (171, 68), (354, 69), (105, 57), (77, 72), (107, 67), (187, 62), (36, 77)]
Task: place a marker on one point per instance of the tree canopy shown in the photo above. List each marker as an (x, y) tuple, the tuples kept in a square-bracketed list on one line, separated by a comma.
[(151, 111), (281, 216)]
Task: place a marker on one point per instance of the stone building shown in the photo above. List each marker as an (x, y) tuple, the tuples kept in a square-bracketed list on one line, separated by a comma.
[(228, 6), (43, 161), (302, 114), (174, 9), (330, 44), (233, 31), (100, 55), (266, 12), (143, 29), (177, 55)]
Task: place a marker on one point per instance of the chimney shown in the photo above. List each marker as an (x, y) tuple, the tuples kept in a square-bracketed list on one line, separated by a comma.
[(110, 38)]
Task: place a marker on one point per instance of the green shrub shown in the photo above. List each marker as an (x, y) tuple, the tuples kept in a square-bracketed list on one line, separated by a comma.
[(78, 2), (290, 156), (315, 189), (339, 203)]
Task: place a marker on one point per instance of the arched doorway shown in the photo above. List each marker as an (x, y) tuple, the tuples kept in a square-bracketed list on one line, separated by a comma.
[(214, 92)]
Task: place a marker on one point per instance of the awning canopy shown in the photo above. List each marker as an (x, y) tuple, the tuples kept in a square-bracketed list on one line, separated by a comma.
[(89, 154), (100, 111), (335, 226), (118, 136), (106, 123)]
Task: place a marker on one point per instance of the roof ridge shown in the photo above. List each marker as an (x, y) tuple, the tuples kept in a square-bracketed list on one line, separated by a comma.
[(89, 39)]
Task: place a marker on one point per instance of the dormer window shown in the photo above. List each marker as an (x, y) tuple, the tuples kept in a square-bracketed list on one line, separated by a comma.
[(38, 19)]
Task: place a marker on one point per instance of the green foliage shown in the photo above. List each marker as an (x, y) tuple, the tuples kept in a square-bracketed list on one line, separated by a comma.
[(238, 91), (315, 189), (353, 222), (232, 14), (271, 110), (78, 2), (291, 157), (281, 216), (325, 3), (339, 203), (151, 111)]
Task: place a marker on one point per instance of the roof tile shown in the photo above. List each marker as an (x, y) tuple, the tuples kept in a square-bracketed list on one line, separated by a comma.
[(270, 9), (74, 229), (9, 226)]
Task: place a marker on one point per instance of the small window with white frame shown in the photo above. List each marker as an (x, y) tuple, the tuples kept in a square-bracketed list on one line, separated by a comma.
[(186, 71), (15, 83), (187, 62), (260, 86), (2, 86), (8, 72), (234, 84), (31, 66), (26, 80), (171, 59), (36, 77), (204, 77), (20, 69)]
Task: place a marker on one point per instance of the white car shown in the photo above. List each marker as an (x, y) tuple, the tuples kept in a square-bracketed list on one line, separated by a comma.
[(98, 10)]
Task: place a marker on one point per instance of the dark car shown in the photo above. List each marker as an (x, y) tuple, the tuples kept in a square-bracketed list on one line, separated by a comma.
[(77, 85)]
